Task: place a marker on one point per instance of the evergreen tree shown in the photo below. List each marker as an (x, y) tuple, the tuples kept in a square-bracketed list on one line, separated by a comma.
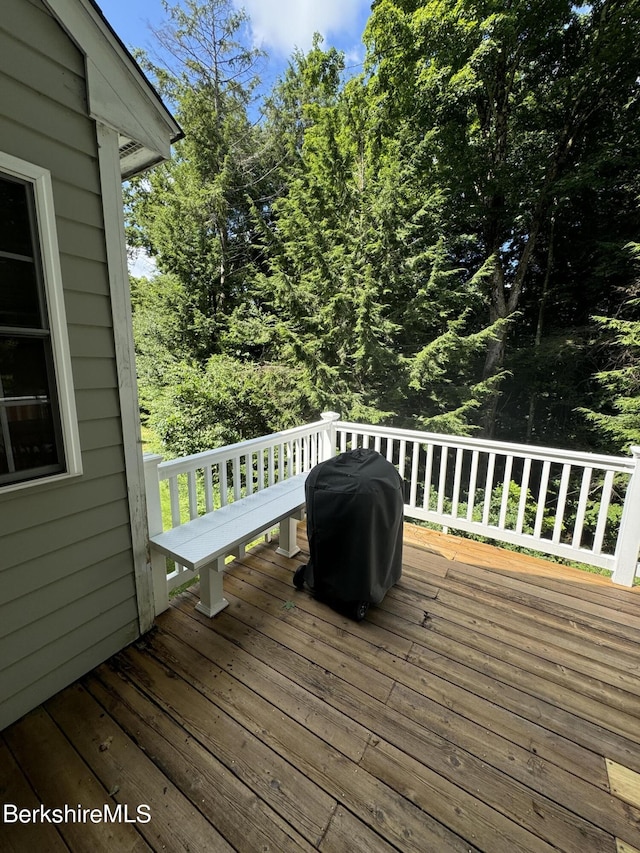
[(194, 214), (617, 421)]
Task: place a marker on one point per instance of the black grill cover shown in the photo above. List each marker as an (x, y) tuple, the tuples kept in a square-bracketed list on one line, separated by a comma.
[(354, 524)]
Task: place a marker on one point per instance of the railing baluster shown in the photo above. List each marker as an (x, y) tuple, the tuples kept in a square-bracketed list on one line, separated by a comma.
[(473, 478), (237, 482), (208, 488), (504, 503), (271, 452), (414, 473), (605, 499), (444, 454), (488, 489), (365, 441), (288, 466), (389, 450), (174, 501), (224, 488), (457, 476), (542, 498), (582, 507), (282, 458), (260, 469), (524, 488), (343, 441), (402, 458), (193, 494), (562, 500), (377, 443), (248, 473), (427, 477)]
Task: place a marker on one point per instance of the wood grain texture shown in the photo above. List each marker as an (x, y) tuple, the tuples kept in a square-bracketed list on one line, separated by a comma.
[(453, 718)]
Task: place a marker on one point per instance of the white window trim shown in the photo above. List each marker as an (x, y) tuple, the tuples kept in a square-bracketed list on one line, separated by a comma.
[(40, 178)]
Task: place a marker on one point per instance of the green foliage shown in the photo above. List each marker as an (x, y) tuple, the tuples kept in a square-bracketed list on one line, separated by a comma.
[(425, 244), (194, 214), (513, 107), (223, 402), (619, 417)]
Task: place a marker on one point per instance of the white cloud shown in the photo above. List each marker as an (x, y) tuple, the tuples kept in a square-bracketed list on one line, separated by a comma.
[(282, 25)]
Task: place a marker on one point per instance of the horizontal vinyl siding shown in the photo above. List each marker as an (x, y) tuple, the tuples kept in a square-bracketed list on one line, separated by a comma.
[(91, 341), (66, 126), (36, 146), (67, 589), (97, 405), (80, 276), (68, 658), (106, 544), (71, 199), (36, 32), (61, 622), (99, 490)]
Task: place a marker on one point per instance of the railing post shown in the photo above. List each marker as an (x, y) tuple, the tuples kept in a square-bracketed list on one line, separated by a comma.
[(154, 516), (626, 557), (329, 436)]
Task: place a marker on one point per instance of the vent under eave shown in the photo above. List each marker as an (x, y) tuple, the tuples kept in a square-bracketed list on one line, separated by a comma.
[(135, 157)]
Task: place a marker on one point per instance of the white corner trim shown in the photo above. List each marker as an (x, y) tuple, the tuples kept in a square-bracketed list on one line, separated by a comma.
[(40, 178), (111, 184)]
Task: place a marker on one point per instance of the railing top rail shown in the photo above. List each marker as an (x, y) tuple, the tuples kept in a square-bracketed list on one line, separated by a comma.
[(184, 464), (553, 454)]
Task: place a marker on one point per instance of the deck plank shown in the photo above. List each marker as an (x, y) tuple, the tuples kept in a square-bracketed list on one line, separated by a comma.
[(131, 776), (348, 834), (471, 773), (16, 791), (392, 816), (60, 777), (284, 787), (478, 708), (538, 773), (241, 816)]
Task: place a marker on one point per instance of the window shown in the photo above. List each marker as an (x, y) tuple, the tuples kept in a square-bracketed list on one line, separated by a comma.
[(38, 432)]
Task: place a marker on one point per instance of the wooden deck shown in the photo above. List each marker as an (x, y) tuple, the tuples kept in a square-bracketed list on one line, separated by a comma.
[(491, 703)]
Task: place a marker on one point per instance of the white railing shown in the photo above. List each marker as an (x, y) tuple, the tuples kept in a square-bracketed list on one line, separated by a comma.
[(580, 506), (201, 483)]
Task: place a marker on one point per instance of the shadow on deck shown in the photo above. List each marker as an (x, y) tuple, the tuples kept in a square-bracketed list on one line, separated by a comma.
[(490, 703)]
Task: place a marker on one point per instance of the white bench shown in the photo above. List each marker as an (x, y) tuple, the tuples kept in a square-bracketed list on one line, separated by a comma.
[(203, 543)]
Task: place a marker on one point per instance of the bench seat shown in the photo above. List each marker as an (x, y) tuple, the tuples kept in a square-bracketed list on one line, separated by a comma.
[(203, 543)]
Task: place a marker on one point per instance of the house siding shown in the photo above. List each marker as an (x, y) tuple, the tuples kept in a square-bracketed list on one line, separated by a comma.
[(67, 586)]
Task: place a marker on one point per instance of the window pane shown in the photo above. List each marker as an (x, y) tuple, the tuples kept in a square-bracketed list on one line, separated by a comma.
[(33, 438), (15, 231), (4, 462), (19, 303), (23, 367)]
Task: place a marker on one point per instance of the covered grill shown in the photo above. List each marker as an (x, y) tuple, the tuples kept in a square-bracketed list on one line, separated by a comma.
[(354, 524)]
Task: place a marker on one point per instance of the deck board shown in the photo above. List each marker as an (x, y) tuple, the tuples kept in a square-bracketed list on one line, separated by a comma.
[(479, 708)]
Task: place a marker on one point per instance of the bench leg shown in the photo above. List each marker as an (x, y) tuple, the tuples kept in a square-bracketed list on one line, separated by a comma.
[(211, 599), (288, 537)]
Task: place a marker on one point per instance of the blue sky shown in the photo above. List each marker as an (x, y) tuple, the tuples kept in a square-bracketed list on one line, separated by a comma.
[(278, 26)]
